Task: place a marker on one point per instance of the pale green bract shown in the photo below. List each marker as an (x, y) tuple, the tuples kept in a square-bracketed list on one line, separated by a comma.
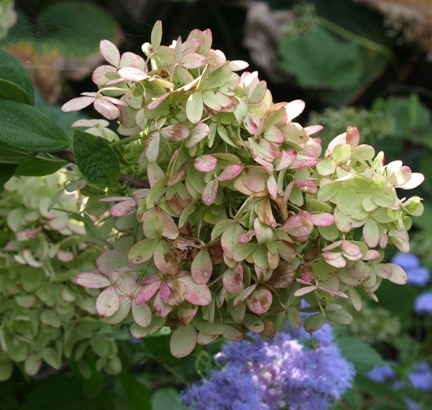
[(237, 217), (45, 317)]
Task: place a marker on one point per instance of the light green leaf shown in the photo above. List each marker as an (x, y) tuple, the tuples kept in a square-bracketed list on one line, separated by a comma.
[(183, 341)]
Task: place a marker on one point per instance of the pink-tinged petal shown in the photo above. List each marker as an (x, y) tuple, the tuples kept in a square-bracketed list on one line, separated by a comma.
[(108, 302), (272, 186), (129, 59), (58, 223), (350, 248), (352, 137), (312, 147), (334, 259), (142, 314), (77, 104), (251, 123), (193, 60), (274, 134), (306, 185), (111, 260), (383, 270), (186, 313), (147, 292), (414, 182), (230, 172), (306, 273), (202, 267), (312, 129), (371, 255), (324, 219), (232, 280), (304, 291), (28, 257), (106, 109), (298, 226), (259, 301), (197, 134), (253, 180), (33, 233), (126, 284), (164, 292), (238, 65), (294, 109), (110, 52), (209, 192), (100, 77), (122, 208), (154, 104), (206, 163), (132, 74), (92, 280), (175, 132), (302, 162), (64, 256), (285, 160), (334, 292), (160, 308), (68, 295), (183, 341), (398, 275), (204, 339), (196, 294)]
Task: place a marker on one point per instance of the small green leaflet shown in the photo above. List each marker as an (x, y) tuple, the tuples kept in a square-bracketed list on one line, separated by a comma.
[(96, 159)]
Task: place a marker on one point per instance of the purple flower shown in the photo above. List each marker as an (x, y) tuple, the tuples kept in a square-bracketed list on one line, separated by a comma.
[(421, 377), (381, 374), (417, 275), (231, 388), (423, 303), (294, 370)]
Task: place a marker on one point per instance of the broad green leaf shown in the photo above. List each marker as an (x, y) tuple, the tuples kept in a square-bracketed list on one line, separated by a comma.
[(40, 165), (96, 159), (319, 60), (360, 354), (137, 395), (167, 398), (15, 81), (314, 322), (6, 172), (52, 356), (25, 128)]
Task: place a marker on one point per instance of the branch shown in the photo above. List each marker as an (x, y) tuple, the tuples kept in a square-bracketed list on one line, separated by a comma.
[(124, 179)]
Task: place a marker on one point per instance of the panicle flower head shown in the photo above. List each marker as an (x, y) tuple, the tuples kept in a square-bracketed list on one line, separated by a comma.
[(294, 370)]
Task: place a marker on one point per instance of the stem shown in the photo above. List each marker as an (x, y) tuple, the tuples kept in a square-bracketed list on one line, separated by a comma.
[(355, 38), (126, 140)]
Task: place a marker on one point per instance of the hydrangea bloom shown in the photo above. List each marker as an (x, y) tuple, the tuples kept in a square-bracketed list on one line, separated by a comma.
[(423, 303), (417, 275), (292, 370)]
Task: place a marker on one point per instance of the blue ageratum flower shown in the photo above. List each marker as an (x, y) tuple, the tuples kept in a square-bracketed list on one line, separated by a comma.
[(423, 303), (293, 370), (417, 275), (421, 377), (381, 374)]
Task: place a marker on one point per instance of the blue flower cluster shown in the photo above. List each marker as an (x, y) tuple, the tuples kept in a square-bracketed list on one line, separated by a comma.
[(421, 379), (417, 275), (294, 370), (423, 303)]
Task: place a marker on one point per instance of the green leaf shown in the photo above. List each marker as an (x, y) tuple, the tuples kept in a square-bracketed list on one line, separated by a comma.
[(360, 354), (6, 172), (158, 344), (15, 81), (319, 60), (183, 341), (167, 398), (137, 394), (40, 165), (96, 159), (25, 128), (56, 392)]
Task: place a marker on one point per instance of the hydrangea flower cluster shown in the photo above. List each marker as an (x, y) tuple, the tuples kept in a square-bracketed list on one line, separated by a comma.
[(237, 218), (293, 370), (417, 275), (45, 317)]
